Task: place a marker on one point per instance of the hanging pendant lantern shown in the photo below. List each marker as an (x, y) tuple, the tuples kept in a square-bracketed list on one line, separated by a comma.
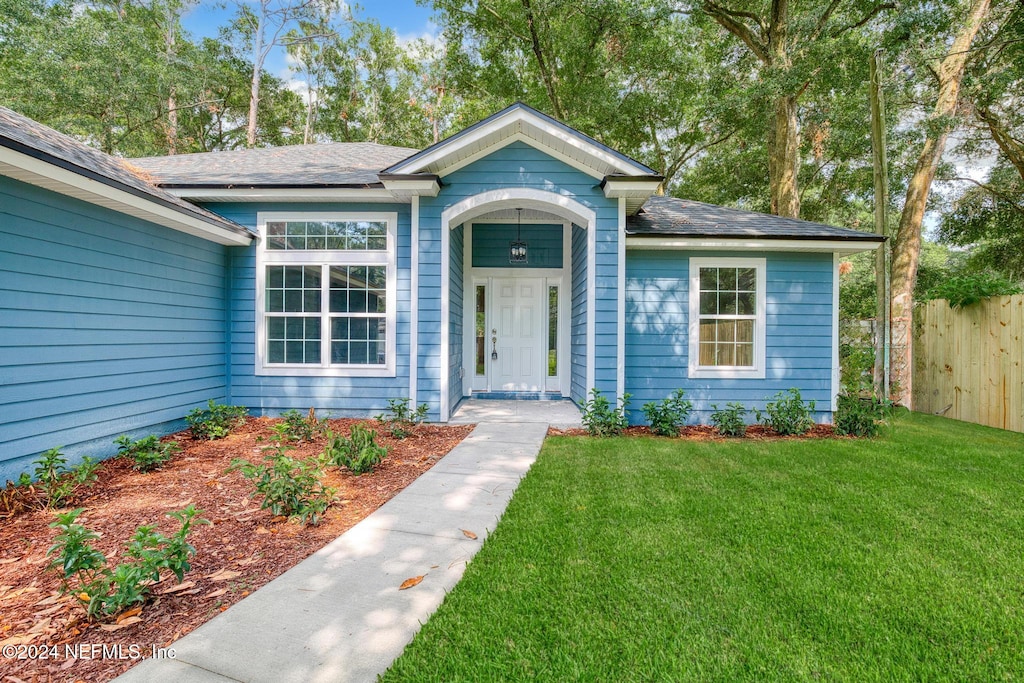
[(517, 252)]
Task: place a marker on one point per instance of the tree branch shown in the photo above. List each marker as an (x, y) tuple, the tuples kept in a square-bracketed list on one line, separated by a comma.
[(875, 11), (729, 22), (994, 192)]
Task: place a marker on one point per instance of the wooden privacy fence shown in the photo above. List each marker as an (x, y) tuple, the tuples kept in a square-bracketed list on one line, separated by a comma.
[(967, 361)]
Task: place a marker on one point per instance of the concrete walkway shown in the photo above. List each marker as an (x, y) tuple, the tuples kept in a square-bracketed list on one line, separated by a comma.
[(338, 616)]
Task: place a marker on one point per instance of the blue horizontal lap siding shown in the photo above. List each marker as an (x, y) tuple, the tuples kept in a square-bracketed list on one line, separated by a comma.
[(108, 325), (516, 165), (491, 245), (271, 395), (798, 328), (578, 348), (455, 315)]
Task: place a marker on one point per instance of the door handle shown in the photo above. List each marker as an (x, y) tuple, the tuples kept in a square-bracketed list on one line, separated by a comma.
[(494, 344)]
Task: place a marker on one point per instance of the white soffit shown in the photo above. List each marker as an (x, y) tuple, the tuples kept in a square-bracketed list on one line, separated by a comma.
[(283, 194), (39, 173)]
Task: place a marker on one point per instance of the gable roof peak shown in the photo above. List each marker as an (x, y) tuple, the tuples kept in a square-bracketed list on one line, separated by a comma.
[(520, 122)]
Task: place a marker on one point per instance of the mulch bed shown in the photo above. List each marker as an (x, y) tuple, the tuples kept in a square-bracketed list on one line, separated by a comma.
[(709, 433), (243, 549)]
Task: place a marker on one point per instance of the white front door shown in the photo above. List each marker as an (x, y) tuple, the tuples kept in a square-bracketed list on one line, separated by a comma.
[(518, 323)]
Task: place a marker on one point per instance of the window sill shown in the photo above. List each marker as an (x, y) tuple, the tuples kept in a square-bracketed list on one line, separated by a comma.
[(726, 373), (305, 371)]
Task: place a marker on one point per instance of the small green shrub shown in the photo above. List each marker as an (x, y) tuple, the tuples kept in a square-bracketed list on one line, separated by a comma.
[(668, 415), (787, 414), (215, 421), (299, 427), (148, 453), (288, 486), (359, 451), (965, 290), (106, 592), (601, 417), (400, 419), (859, 416), (59, 482), (729, 420)]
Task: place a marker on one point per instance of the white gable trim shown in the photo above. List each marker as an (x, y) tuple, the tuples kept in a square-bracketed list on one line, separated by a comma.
[(516, 122)]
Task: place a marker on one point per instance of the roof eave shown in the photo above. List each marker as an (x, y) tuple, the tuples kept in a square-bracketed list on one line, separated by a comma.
[(36, 167), (842, 245)]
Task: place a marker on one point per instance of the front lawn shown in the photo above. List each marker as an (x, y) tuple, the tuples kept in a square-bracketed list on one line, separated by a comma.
[(894, 559)]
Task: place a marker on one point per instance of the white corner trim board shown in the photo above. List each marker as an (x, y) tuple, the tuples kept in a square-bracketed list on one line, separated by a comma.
[(620, 285), (836, 379), (414, 302)]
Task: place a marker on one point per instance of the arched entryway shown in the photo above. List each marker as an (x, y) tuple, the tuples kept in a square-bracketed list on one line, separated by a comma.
[(516, 329)]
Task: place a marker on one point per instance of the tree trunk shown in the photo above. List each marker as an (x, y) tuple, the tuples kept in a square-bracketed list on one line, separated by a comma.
[(784, 159), (907, 248), (172, 106), (257, 73)]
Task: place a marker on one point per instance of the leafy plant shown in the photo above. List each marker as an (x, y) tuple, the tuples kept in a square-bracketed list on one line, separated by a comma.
[(729, 420), (299, 427), (359, 451), (148, 453), (400, 419), (787, 414), (215, 421), (964, 290), (668, 415), (601, 417), (107, 592), (859, 416), (59, 482), (289, 486)]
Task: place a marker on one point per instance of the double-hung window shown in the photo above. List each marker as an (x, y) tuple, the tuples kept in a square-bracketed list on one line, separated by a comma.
[(727, 317), (326, 290)]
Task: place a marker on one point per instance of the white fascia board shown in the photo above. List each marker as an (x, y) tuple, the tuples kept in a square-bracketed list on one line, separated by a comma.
[(56, 179), (284, 194), (841, 247), (423, 187), (512, 118), (615, 188)]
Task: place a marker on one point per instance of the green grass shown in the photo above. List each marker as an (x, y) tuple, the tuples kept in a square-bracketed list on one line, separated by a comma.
[(894, 559)]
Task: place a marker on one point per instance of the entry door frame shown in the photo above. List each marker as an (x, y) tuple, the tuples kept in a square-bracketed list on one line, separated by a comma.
[(472, 277)]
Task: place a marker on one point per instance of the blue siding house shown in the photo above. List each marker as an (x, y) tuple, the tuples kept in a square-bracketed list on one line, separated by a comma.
[(518, 258)]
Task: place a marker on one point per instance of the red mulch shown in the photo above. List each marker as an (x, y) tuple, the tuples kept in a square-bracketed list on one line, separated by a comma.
[(709, 433), (243, 549)]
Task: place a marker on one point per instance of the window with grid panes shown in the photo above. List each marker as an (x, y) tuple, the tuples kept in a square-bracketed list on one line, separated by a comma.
[(326, 295)]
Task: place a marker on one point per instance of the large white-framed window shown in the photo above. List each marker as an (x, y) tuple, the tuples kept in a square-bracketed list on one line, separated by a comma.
[(727, 317), (326, 293)]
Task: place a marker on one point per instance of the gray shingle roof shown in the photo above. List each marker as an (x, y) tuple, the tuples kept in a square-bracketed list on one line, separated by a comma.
[(24, 135), (344, 164), (669, 216)]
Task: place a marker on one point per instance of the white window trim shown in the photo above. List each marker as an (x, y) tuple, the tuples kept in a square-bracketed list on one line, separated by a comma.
[(265, 257), (697, 371)]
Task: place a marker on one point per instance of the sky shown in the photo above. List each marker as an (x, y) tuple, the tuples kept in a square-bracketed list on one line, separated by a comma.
[(409, 20)]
